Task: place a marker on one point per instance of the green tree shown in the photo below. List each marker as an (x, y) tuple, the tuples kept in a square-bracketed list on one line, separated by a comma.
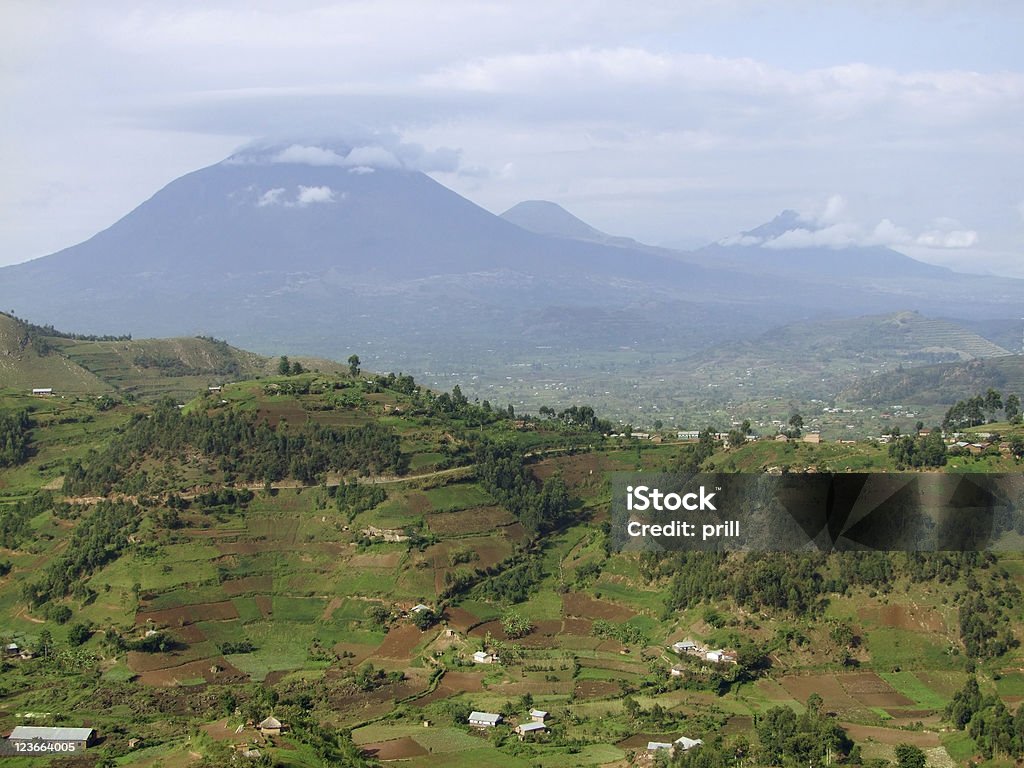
[(353, 365), (1011, 407), (78, 634), (515, 625), (796, 423), (297, 368), (909, 756), (284, 367)]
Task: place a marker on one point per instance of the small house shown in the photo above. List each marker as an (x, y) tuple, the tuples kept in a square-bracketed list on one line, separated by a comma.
[(525, 729), (484, 719), (80, 737), (420, 608), (271, 726), (482, 657), (654, 746), (43, 391), (11, 649), (677, 672), (538, 715), (684, 646), (685, 744), (715, 656)]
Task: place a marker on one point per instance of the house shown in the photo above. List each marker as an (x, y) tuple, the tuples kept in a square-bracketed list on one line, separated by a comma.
[(11, 649), (134, 742), (812, 437), (677, 672), (215, 390), (482, 657), (538, 715), (684, 744), (780, 438), (715, 656), (688, 434), (523, 729), (80, 737), (484, 719), (654, 746), (419, 608), (271, 727), (43, 392), (684, 646)]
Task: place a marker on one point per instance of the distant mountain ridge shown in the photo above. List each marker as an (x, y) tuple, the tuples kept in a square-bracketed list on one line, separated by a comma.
[(304, 249)]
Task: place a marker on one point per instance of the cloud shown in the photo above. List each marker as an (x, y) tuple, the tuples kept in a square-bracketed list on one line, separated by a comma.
[(303, 197), (271, 197), (384, 152), (834, 227), (310, 195)]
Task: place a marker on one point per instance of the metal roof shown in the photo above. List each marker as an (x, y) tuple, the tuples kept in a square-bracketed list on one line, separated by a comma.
[(53, 734), (484, 717)]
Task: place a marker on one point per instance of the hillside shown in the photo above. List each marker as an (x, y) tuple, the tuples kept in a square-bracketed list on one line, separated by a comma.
[(33, 356), (942, 384), (333, 550)]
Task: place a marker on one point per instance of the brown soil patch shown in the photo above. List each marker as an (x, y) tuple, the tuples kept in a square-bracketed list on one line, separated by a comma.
[(188, 614), (892, 736), (908, 617), (247, 584), (596, 689), (399, 642), (451, 684), (515, 533), (396, 749), (331, 607), (584, 606), (460, 619), (872, 691), (419, 503), (360, 653), (581, 471), (266, 606), (247, 547), (617, 665), (375, 560), (193, 670), (739, 724), (476, 520), (835, 698), (581, 627), (190, 633)]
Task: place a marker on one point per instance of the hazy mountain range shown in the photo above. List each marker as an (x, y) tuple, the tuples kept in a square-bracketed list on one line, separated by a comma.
[(328, 258)]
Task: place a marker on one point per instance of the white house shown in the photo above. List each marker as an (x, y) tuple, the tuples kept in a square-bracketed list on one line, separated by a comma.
[(715, 656), (686, 744), (420, 608), (684, 646), (482, 657), (654, 746), (538, 715), (484, 719), (43, 391)]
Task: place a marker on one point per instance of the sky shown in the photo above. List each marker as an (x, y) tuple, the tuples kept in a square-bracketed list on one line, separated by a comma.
[(682, 122)]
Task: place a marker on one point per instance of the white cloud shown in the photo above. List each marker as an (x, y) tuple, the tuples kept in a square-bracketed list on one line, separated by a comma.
[(834, 227), (303, 196), (958, 238), (271, 197), (303, 155), (372, 157), (310, 195), (361, 170)]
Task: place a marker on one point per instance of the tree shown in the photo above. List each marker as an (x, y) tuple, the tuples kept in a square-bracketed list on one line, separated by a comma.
[(909, 756), (515, 625), (353, 365), (297, 368), (78, 634), (993, 402), (284, 367), (1011, 407), (796, 422)]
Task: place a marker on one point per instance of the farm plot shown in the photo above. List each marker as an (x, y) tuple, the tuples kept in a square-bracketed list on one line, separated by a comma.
[(891, 736), (872, 691), (911, 618), (222, 610), (395, 749), (469, 521), (585, 607), (400, 642), (835, 698)]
